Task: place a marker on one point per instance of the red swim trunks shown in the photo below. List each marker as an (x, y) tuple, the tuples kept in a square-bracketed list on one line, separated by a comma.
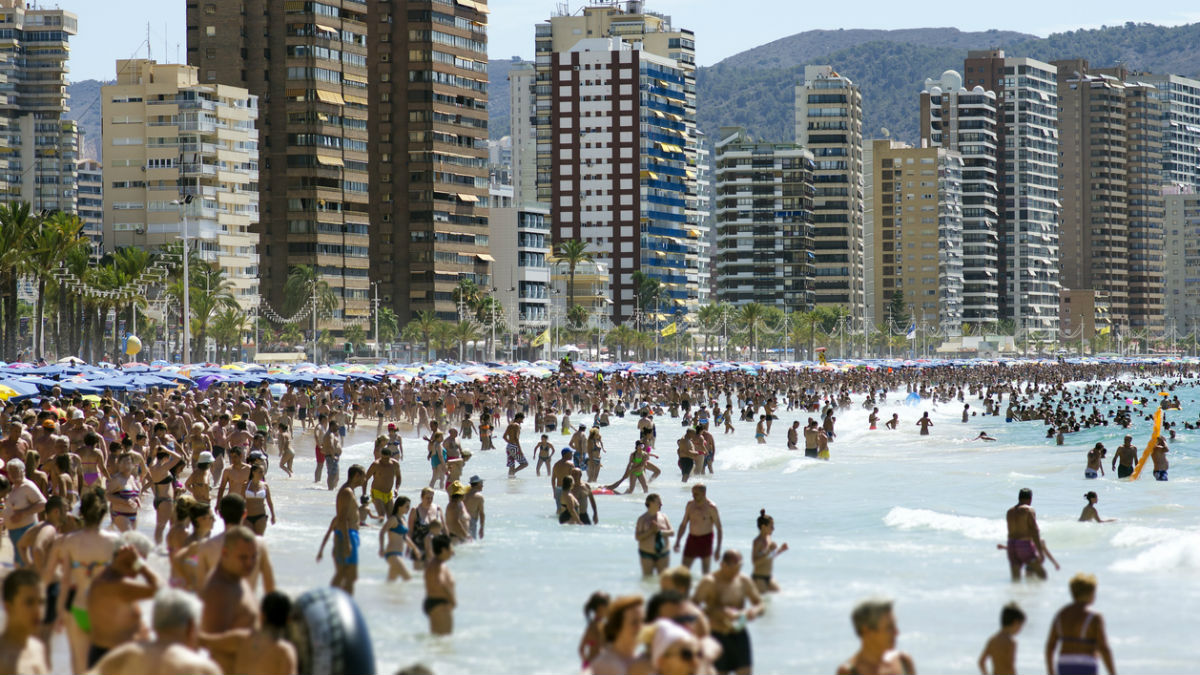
[(698, 546), (1021, 551), (320, 456)]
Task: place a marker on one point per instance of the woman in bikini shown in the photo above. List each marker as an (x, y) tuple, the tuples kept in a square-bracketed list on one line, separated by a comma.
[(1078, 633), (418, 524), (395, 532), (162, 483), (200, 482), (177, 534), (201, 517), (437, 459), (92, 463), (594, 612), (258, 500), (63, 480), (198, 442), (124, 494), (763, 553), (81, 555)]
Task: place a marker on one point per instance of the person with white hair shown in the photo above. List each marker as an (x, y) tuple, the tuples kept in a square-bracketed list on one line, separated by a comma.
[(174, 649), (674, 650), (115, 593), (21, 506)]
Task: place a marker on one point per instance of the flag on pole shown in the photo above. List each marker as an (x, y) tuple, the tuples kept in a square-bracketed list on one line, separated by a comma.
[(1105, 330), (669, 330), (541, 339), (912, 331)]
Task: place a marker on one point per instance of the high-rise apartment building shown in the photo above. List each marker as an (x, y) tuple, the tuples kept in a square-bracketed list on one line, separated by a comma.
[(1111, 164), (167, 137), (764, 197), (616, 147), (1180, 100), (1027, 163), (964, 120), (522, 77), (306, 63), (917, 228), (41, 143), (700, 210), (90, 201), (521, 246), (429, 202), (1182, 259), (829, 124)]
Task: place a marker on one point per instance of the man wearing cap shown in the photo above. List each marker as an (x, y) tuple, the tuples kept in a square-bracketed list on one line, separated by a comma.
[(458, 521), (474, 503)]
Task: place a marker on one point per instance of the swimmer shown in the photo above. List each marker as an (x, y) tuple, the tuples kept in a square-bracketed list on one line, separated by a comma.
[(345, 532), (1001, 648), (925, 423), (1159, 457), (395, 533), (1126, 455), (875, 626), (1089, 513), (1095, 463), (440, 600), (512, 437), (1024, 539), (763, 553), (983, 436), (730, 601), (893, 423), (653, 534), (1077, 633), (544, 449), (702, 516)]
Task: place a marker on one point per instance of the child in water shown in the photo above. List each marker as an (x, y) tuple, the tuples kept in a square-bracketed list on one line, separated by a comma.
[(1001, 648)]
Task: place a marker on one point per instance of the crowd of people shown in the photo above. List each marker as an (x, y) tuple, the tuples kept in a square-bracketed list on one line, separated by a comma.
[(80, 472)]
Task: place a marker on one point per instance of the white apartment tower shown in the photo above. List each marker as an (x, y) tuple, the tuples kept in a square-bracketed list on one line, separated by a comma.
[(964, 120), (1027, 162), (829, 124), (523, 101)]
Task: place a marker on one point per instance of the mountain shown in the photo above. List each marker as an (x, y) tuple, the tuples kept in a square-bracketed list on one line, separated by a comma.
[(86, 109), (499, 104), (813, 44), (756, 88)]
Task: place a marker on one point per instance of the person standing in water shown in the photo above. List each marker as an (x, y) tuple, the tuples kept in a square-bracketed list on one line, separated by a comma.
[(1001, 648), (439, 600), (1159, 456), (763, 553), (653, 533), (1024, 538), (1126, 455), (730, 601), (925, 423), (345, 530), (875, 626), (512, 437), (702, 517), (1080, 632), (1095, 463)]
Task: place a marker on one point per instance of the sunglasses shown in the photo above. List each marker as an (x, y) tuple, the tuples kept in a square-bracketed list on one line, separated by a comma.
[(685, 619)]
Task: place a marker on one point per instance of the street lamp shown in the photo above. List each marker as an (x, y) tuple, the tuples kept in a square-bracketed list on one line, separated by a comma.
[(187, 305)]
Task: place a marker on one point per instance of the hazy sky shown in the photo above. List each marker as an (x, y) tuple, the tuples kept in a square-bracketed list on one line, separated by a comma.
[(115, 29)]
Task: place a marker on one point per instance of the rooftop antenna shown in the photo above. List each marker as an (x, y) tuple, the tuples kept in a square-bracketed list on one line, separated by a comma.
[(149, 49)]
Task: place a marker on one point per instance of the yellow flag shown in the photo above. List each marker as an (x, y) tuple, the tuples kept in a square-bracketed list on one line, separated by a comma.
[(1105, 330), (541, 339), (669, 330)]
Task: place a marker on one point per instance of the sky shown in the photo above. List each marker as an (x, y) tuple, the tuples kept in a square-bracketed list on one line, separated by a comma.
[(116, 29)]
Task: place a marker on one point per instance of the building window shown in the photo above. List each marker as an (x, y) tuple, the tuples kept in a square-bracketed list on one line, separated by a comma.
[(210, 9), (210, 31)]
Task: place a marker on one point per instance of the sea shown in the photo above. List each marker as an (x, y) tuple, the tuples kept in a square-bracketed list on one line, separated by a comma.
[(894, 514)]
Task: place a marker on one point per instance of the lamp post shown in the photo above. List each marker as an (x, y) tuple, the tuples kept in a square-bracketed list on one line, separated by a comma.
[(187, 305)]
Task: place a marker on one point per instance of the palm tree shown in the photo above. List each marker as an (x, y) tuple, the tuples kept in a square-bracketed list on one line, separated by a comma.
[(291, 335), (356, 335), (444, 336), (210, 293), (17, 226), (423, 326), (49, 244), (467, 293), (464, 332), (752, 316), (572, 252), (389, 325), (228, 327)]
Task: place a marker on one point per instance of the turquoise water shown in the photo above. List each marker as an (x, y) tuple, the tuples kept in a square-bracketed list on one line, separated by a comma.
[(914, 518)]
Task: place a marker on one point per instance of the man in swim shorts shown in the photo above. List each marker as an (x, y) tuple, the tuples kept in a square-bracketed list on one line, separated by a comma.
[(1024, 538), (702, 517), (439, 588), (1126, 456), (345, 530), (512, 436), (1159, 456)]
